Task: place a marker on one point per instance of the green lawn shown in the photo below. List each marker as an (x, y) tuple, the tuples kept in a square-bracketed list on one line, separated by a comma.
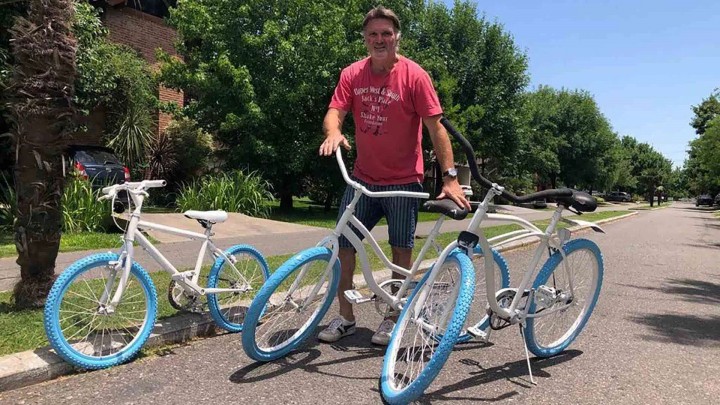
[(23, 330), (69, 242)]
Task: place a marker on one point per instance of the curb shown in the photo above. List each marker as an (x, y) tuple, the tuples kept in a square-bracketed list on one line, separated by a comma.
[(35, 366)]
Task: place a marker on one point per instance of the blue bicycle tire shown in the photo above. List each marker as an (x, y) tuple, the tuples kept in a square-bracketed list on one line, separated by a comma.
[(443, 346), (58, 293), (279, 278), (501, 269), (220, 315)]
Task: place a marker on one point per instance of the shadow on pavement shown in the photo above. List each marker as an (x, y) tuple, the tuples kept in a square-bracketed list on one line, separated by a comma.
[(685, 329), (515, 372), (697, 291), (688, 330), (355, 347), (708, 245)]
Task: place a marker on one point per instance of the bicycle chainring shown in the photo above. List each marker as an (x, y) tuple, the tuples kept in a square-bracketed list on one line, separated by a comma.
[(183, 300)]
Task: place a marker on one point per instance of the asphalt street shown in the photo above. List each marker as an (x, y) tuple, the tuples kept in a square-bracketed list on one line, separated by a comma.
[(654, 338)]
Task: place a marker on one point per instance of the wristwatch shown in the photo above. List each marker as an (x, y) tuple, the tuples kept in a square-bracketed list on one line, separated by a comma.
[(451, 173)]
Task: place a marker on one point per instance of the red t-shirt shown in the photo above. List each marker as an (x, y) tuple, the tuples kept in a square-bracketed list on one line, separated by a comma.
[(388, 111)]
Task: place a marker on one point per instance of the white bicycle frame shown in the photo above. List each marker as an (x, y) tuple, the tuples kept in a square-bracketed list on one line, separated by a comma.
[(187, 279), (547, 239), (342, 229)]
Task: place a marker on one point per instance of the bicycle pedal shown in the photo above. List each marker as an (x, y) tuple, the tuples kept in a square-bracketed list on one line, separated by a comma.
[(479, 334), (355, 297)]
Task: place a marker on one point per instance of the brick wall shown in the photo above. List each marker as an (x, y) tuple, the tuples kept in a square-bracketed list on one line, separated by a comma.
[(144, 33)]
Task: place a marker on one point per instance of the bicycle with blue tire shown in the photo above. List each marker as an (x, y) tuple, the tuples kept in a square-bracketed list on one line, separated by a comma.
[(102, 309), (551, 311), (288, 308)]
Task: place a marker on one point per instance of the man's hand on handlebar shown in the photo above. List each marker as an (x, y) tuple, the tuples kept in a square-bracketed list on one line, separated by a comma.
[(451, 189), (331, 143)]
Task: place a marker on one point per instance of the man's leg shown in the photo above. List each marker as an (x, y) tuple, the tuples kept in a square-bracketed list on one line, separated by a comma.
[(347, 269), (401, 257), (369, 214), (401, 214)]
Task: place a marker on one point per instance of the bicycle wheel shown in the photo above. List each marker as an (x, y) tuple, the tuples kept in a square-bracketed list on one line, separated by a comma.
[(246, 270), (290, 304), (478, 317), (568, 295), (86, 332), (427, 329)]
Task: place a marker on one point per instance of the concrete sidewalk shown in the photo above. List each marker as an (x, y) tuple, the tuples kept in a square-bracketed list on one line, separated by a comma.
[(271, 238)]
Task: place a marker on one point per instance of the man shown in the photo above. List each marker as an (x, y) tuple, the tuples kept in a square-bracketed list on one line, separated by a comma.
[(390, 97)]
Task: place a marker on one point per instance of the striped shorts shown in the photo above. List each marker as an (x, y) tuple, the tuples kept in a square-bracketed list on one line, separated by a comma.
[(401, 213)]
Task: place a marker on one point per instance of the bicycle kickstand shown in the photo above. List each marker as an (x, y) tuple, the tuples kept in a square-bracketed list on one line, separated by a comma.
[(527, 354)]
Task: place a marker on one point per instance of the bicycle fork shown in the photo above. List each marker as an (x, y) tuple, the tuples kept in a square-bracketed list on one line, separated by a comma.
[(122, 266)]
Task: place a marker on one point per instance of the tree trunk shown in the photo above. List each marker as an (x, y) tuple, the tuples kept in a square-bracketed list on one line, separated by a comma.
[(38, 223), (286, 201), (42, 112)]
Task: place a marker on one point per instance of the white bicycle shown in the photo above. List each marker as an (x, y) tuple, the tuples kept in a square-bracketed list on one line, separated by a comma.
[(101, 309), (295, 298), (552, 310)]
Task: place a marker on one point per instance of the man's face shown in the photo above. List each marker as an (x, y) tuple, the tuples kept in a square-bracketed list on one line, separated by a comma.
[(381, 39)]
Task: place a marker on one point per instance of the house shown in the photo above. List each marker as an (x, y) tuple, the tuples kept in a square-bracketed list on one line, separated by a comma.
[(140, 25)]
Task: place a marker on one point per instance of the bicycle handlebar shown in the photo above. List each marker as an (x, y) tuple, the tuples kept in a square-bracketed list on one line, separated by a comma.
[(373, 194), (134, 185), (470, 153)]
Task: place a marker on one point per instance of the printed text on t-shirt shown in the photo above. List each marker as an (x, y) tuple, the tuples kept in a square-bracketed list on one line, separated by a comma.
[(374, 102)]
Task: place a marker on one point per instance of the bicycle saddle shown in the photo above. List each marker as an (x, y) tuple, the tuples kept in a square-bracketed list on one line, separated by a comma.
[(446, 207), (579, 200), (213, 217)]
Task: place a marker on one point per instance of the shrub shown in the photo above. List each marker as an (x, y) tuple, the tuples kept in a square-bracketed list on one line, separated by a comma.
[(233, 192), (82, 212), (180, 153)]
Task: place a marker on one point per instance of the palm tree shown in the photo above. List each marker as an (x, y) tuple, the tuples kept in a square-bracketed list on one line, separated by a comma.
[(42, 114)]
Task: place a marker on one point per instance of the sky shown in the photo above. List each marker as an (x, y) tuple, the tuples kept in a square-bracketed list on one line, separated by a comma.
[(646, 63)]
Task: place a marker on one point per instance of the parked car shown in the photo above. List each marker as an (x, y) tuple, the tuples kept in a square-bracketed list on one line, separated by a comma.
[(97, 164), (704, 199), (618, 196), (717, 199)]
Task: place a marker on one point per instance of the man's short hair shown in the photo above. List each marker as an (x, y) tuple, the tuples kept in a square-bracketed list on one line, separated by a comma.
[(382, 12)]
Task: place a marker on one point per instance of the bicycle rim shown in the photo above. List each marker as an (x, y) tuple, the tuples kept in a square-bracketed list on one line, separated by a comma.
[(296, 305), (90, 334), (247, 274), (549, 334)]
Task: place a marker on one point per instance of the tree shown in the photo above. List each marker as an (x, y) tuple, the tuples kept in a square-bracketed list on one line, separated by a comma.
[(42, 112), (259, 75), (115, 79), (621, 176), (8, 12), (705, 112), (567, 138), (650, 168), (480, 76), (705, 151), (700, 167)]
